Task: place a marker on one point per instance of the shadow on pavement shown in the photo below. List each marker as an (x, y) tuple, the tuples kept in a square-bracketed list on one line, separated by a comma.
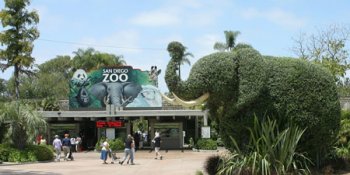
[(17, 172)]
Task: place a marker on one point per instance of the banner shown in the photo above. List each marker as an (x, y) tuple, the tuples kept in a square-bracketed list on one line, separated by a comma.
[(120, 86)]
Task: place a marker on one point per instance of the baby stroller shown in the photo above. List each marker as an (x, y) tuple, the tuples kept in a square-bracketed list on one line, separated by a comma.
[(112, 155)]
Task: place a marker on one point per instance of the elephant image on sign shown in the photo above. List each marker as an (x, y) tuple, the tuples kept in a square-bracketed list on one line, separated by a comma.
[(116, 93)]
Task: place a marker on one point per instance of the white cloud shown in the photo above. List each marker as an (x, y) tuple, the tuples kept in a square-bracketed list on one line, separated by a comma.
[(192, 13), (277, 16), (157, 18)]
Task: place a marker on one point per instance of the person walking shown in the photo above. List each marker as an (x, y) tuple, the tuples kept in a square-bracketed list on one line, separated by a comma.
[(72, 143), (104, 151), (137, 140), (78, 144), (66, 146), (57, 144), (157, 140), (43, 141), (132, 152), (128, 144)]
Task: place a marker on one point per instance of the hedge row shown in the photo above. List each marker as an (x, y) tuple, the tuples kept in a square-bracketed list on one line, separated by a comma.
[(29, 154)]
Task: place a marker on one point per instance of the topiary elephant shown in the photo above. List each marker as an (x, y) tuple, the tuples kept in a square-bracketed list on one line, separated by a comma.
[(242, 83)]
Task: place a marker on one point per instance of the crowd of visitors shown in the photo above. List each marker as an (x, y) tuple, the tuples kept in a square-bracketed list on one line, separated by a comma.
[(69, 145)]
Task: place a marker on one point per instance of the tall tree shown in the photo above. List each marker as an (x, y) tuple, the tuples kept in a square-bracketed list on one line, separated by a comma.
[(89, 59), (327, 47), (230, 43), (178, 52), (53, 78), (18, 38)]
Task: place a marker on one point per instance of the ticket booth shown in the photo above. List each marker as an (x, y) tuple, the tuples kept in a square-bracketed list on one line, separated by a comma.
[(170, 133), (112, 129)]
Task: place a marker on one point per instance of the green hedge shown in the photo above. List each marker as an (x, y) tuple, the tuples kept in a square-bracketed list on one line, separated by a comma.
[(206, 144), (116, 144), (29, 154), (306, 94)]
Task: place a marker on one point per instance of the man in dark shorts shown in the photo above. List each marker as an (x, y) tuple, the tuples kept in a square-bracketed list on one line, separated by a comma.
[(157, 140)]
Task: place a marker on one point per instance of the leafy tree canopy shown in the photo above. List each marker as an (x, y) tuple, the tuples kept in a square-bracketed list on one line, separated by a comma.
[(90, 59), (18, 38), (327, 47)]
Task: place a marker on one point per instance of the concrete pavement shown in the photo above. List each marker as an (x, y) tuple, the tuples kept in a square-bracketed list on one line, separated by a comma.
[(174, 162)]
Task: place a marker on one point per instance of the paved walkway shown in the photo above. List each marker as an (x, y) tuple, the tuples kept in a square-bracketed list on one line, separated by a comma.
[(174, 162)]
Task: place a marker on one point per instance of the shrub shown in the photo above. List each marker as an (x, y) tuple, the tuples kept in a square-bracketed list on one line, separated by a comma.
[(116, 144), (345, 114), (5, 151), (305, 94), (341, 151), (41, 152), (15, 156), (29, 154), (206, 144), (211, 164), (220, 142), (295, 92), (270, 151)]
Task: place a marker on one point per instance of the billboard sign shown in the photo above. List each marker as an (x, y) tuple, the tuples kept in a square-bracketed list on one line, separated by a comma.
[(121, 86)]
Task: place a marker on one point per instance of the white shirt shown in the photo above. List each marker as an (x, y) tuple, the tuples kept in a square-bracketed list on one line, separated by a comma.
[(105, 146)]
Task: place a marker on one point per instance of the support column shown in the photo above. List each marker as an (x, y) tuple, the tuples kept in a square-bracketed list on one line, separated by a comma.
[(196, 128), (205, 118)]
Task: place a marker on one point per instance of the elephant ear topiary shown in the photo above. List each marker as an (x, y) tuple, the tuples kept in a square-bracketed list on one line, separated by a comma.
[(306, 94)]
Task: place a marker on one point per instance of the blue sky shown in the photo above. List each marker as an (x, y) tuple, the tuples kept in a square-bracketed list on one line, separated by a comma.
[(141, 30)]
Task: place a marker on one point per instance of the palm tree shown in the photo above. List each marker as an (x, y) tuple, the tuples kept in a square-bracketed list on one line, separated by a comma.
[(178, 52), (24, 123), (90, 59), (105, 59), (231, 37)]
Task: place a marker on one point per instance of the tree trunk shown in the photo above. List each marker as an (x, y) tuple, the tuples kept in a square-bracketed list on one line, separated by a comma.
[(19, 136), (16, 75)]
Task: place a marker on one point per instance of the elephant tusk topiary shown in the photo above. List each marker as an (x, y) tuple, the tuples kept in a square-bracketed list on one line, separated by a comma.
[(170, 100), (179, 101), (192, 103)]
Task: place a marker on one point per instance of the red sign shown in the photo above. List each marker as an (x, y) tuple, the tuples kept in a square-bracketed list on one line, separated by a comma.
[(109, 124)]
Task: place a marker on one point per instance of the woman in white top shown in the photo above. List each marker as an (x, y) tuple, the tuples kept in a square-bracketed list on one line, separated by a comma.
[(104, 151)]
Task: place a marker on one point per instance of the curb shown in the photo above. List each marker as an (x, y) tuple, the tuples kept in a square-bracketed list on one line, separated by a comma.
[(22, 163)]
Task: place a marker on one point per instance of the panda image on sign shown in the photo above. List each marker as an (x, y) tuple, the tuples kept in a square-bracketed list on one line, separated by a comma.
[(79, 77)]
